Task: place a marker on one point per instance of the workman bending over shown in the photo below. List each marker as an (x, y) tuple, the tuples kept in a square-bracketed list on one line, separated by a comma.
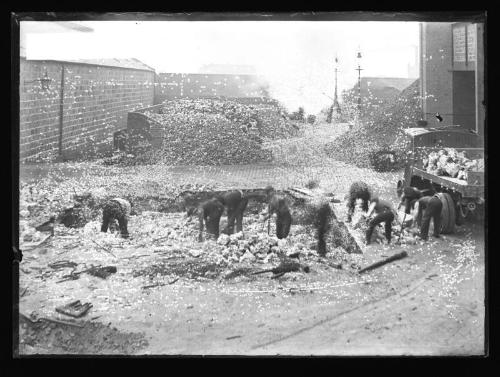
[(428, 207), (384, 213)]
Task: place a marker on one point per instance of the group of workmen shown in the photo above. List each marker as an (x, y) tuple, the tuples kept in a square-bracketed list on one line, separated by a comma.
[(209, 212), (427, 208)]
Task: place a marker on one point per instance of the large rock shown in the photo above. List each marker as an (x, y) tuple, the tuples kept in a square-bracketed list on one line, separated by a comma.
[(223, 240), (248, 257)]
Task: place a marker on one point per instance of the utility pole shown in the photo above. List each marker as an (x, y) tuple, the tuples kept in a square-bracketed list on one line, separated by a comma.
[(335, 104), (359, 69), (335, 98)]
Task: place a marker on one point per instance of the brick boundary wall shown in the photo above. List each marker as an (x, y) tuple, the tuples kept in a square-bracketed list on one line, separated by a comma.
[(96, 101), (200, 85)]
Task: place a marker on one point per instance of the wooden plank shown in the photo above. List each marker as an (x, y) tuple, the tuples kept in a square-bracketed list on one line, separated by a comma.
[(475, 178), (392, 258), (302, 191)]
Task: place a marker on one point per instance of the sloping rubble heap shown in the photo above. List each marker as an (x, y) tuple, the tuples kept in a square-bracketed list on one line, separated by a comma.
[(215, 132), (383, 132)]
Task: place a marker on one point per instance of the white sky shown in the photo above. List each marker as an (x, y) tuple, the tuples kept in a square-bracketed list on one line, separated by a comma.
[(295, 56)]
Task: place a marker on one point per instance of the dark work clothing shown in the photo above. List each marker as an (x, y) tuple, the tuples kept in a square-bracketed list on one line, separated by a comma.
[(385, 214), (213, 211), (283, 223), (115, 210), (236, 213), (386, 217), (410, 197), (277, 204), (210, 212), (383, 206), (409, 205), (429, 207), (358, 190)]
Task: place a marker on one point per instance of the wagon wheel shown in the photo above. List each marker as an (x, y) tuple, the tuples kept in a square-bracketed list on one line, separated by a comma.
[(448, 214)]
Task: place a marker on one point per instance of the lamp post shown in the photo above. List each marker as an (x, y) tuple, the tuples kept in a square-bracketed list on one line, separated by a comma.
[(359, 69)]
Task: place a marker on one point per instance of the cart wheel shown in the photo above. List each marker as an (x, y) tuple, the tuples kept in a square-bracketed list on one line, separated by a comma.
[(448, 214)]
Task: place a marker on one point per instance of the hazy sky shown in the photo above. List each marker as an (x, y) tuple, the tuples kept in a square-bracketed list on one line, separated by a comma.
[(296, 57)]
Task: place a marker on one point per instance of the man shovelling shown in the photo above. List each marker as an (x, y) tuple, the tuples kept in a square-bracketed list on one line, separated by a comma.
[(427, 207)]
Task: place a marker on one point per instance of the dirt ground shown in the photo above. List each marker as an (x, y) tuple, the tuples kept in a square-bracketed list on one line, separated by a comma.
[(162, 300), (168, 297)]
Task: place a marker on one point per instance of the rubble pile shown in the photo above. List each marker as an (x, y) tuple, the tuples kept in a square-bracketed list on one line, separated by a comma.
[(214, 132), (448, 162), (253, 245), (208, 139), (384, 132), (268, 120), (360, 226), (53, 338)]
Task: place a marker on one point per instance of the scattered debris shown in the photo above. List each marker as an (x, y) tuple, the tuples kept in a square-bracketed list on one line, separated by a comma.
[(36, 245), (392, 258), (74, 309), (160, 284), (47, 226), (62, 264), (61, 322), (338, 266), (285, 266), (103, 248), (83, 338), (102, 272), (238, 272)]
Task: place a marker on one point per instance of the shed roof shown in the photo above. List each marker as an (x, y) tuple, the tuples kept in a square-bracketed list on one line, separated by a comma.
[(131, 63), (398, 83)]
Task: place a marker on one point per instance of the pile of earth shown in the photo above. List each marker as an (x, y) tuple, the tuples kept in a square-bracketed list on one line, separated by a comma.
[(213, 132), (384, 133), (41, 337)]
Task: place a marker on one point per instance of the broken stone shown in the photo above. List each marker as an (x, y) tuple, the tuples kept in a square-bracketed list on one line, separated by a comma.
[(223, 240), (282, 244), (248, 256), (195, 253), (236, 236)]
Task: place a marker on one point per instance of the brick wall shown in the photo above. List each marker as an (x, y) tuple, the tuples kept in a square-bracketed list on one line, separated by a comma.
[(180, 85), (39, 109), (96, 102)]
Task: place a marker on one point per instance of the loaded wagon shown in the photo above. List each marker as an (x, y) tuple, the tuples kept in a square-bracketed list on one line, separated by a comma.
[(462, 198)]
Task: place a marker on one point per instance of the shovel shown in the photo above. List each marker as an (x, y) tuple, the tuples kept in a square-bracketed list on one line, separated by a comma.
[(402, 228)]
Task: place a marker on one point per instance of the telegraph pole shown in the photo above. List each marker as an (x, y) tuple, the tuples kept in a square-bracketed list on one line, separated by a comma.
[(359, 69), (335, 98), (335, 104)]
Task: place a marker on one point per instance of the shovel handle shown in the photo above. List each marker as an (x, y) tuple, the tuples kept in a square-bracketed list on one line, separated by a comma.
[(402, 227)]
